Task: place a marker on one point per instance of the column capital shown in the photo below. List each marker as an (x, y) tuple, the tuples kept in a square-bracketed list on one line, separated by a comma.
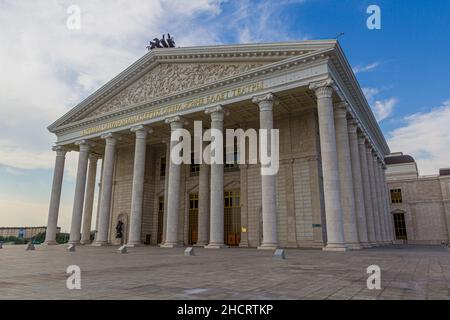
[(111, 138), (323, 88), (141, 131), (266, 101), (60, 150), (175, 122), (352, 126), (217, 113), (361, 139), (84, 145), (340, 109), (93, 157)]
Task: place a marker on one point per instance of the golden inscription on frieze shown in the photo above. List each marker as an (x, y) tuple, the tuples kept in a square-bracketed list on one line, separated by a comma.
[(177, 108)]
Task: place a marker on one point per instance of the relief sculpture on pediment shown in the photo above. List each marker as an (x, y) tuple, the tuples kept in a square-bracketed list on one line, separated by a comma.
[(166, 79)]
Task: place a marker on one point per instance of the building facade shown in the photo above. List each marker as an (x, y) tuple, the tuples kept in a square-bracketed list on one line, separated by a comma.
[(420, 205), (330, 191)]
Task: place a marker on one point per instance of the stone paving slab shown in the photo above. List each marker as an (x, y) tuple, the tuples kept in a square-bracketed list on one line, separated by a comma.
[(408, 272)]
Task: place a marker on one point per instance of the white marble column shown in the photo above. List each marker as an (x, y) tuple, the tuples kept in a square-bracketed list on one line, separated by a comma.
[(346, 177), (382, 205), (373, 190), (330, 168), (390, 219), (370, 220), (89, 201), (376, 164), (387, 219), (166, 189), (268, 182), (216, 236), (358, 184), (80, 188), (173, 194), (137, 193), (55, 198), (203, 204), (106, 190)]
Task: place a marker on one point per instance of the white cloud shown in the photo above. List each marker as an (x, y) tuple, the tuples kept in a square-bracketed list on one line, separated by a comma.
[(426, 137), (382, 109), (366, 68), (46, 69)]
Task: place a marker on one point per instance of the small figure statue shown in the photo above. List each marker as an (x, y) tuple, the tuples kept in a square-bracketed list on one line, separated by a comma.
[(119, 230), (162, 43)]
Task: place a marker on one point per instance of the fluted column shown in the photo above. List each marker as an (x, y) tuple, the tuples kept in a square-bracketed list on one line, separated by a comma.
[(203, 205), (268, 182), (173, 194), (384, 231), (346, 177), (376, 164), (373, 189), (166, 189), (80, 188), (370, 220), (389, 220), (137, 193), (383, 188), (55, 198), (106, 190), (358, 184), (330, 168), (216, 236), (89, 201)]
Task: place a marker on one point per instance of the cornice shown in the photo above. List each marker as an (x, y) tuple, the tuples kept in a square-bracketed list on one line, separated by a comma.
[(352, 88), (251, 74), (267, 51)]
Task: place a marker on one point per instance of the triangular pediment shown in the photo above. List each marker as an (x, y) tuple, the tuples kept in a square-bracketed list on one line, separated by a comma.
[(165, 72), (169, 78)]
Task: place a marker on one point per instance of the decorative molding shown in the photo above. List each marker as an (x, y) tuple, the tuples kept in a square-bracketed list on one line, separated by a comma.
[(166, 79), (61, 151), (68, 121)]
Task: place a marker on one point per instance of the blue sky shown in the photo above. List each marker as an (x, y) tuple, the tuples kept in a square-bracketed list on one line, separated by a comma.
[(46, 69)]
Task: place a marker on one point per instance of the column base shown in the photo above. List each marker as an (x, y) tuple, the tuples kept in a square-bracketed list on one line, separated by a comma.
[(134, 244), (335, 248), (354, 246), (50, 243), (216, 246), (85, 242), (75, 242), (201, 244), (243, 245), (169, 245), (100, 244), (268, 246), (366, 245)]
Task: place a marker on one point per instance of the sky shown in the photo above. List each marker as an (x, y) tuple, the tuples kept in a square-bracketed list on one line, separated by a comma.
[(47, 68)]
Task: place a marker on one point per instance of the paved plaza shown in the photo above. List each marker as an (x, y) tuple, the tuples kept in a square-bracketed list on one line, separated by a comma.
[(408, 272)]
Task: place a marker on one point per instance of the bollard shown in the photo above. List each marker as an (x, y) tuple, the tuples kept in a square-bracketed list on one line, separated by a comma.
[(279, 254), (122, 250), (189, 252)]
